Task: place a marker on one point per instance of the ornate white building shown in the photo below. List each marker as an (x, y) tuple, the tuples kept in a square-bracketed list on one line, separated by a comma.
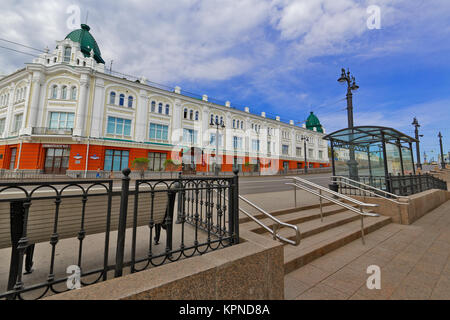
[(66, 112)]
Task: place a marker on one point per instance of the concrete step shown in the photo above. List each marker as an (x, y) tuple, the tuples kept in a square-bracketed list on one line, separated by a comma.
[(325, 238), (296, 217)]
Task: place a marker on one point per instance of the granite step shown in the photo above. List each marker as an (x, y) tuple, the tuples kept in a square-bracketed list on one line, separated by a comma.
[(325, 238)]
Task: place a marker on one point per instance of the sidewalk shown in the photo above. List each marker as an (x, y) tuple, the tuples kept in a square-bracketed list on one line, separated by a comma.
[(414, 262)]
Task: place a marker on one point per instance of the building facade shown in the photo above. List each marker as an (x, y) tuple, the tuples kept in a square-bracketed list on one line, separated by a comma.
[(65, 113)]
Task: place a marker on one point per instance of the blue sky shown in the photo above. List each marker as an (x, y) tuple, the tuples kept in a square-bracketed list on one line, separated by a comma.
[(282, 56)]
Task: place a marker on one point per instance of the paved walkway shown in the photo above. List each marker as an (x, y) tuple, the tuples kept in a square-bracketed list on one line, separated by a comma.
[(414, 262)]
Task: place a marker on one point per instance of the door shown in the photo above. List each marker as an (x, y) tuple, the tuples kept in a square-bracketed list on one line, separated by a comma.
[(12, 162), (56, 160)]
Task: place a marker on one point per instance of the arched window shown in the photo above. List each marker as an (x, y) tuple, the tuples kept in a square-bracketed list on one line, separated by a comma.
[(185, 113), (73, 95), (64, 93), (196, 115), (221, 120), (191, 114), (242, 125), (234, 123), (54, 59), (112, 98), (212, 119), (167, 109), (130, 102), (121, 99), (78, 62), (153, 106), (160, 108), (67, 53), (217, 119), (54, 91)]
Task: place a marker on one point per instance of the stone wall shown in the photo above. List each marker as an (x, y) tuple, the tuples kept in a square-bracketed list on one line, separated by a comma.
[(411, 208), (251, 270)]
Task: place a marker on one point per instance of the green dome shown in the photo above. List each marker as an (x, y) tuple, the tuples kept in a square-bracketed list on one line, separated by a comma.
[(313, 122), (87, 42)]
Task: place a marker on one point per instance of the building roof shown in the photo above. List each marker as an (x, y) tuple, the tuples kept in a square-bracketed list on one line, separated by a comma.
[(313, 122), (87, 42)]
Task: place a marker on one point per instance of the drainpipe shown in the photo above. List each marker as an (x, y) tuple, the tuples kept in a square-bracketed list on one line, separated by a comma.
[(20, 153)]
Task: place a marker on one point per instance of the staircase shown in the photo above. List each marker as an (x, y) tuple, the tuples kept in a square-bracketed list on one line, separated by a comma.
[(339, 227)]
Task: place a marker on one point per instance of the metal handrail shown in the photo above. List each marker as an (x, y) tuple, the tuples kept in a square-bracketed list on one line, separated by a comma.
[(276, 226), (365, 186), (297, 184), (373, 193)]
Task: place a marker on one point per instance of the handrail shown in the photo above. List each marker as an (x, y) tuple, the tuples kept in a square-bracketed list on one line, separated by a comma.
[(371, 192), (276, 226), (297, 183), (366, 186)]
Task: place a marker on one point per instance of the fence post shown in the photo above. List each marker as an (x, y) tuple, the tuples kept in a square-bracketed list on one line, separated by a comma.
[(235, 212), (122, 222), (180, 200)]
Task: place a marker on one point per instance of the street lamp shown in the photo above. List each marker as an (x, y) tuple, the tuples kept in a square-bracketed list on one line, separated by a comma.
[(351, 86), (305, 139), (416, 124), (442, 151), (218, 124)]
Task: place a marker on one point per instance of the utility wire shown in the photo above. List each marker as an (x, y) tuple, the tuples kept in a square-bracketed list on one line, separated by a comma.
[(30, 54), (23, 45)]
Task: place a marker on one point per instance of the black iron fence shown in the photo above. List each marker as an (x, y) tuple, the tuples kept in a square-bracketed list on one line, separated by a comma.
[(397, 184), (47, 226)]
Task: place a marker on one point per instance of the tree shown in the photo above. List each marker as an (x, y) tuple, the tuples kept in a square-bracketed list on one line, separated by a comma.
[(140, 164), (169, 165)]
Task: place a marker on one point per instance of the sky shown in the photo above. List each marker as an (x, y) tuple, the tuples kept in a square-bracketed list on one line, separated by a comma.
[(279, 56)]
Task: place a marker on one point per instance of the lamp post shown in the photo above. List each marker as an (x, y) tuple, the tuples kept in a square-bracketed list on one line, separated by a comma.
[(222, 126), (305, 139), (416, 124), (351, 86), (442, 151)]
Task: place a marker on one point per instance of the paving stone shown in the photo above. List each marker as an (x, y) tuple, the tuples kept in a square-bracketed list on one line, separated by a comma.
[(322, 292), (309, 274), (294, 287)]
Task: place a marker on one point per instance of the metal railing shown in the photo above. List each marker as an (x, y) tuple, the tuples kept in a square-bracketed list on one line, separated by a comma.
[(276, 226), (352, 187), (336, 198), (51, 131), (42, 213)]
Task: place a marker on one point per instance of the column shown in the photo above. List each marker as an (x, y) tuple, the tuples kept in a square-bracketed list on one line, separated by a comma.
[(82, 106), (141, 117), (9, 114), (36, 84), (96, 129)]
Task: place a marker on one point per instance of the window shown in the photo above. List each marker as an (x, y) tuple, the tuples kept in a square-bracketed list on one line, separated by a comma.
[(17, 122), (320, 154), (130, 102), (298, 151), (310, 153), (268, 147), (190, 136), (73, 94), (185, 113), (242, 125), (159, 132), (234, 123), (54, 92), (255, 145), (119, 126), (112, 98), (156, 161), (64, 93), (196, 115), (116, 160), (61, 120), (167, 109), (153, 106), (191, 114), (212, 139), (212, 119), (237, 143), (67, 53), (121, 99), (285, 149), (2, 125), (160, 108), (221, 120)]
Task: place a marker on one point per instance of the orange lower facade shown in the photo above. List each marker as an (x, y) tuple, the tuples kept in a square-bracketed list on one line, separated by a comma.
[(72, 157)]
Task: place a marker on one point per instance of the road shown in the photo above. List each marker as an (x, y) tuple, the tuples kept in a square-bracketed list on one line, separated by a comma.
[(251, 185)]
